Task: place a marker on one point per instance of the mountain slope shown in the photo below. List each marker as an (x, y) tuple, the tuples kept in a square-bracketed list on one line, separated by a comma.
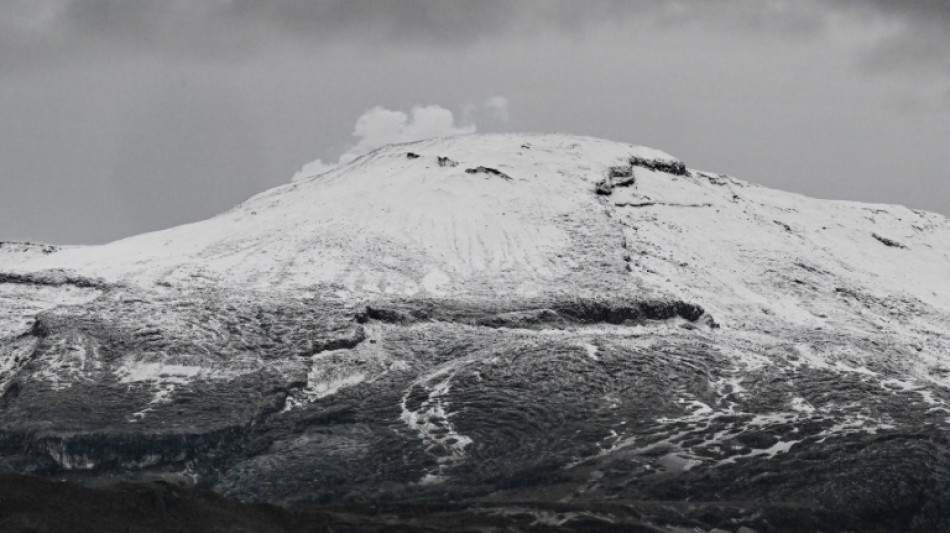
[(400, 222), (534, 318)]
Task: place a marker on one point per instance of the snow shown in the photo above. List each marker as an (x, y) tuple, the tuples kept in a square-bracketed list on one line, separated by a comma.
[(591, 351), (926, 395), (166, 373), (384, 223), (389, 224), (774, 269), (782, 446), (20, 303), (432, 419), (13, 356), (163, 394), (325, 379), (801, 405)]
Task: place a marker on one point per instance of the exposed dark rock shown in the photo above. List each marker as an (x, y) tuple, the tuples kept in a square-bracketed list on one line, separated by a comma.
[(557, 313), (620, 173), (349, 340), (677, 168), (785, 226), (603, 188), (489, 171), (617, 176), (888, 242), (54, 278)]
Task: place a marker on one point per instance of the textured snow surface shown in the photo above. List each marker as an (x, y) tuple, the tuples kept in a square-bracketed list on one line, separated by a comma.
[(391, 223)]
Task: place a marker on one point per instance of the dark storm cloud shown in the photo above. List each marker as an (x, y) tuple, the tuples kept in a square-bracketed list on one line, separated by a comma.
[(34, 31), (226, 26), (224, 23)]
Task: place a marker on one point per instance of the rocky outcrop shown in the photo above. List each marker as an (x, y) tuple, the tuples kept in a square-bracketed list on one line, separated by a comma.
[(534, 314), (670, 166), (493, 172), (54, 278)]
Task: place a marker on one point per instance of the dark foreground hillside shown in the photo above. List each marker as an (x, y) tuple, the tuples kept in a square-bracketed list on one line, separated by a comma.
[(39, 505)]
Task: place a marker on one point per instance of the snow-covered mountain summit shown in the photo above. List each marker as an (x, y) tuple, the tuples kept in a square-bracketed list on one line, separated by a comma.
[(534, 214), (420, 217)]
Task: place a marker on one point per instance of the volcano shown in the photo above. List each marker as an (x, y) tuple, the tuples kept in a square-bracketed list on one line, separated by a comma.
[(531, 332)]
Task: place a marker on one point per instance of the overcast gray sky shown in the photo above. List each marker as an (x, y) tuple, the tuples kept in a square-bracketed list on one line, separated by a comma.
[(118, 117)]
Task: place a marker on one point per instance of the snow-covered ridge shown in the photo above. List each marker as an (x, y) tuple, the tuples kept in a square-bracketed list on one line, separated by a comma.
[(528, 214), (385, 223), (15, 252), (27, 247)]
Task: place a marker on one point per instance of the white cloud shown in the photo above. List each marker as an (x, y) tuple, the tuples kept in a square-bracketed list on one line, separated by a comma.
[(379, 126)]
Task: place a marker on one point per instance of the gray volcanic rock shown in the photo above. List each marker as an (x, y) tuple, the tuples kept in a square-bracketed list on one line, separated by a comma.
[(590, 336)]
